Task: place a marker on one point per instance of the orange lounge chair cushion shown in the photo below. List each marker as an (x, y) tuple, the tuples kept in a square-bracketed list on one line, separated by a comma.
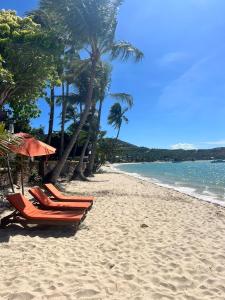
[(29, 211), (58, 195), (39, 195)]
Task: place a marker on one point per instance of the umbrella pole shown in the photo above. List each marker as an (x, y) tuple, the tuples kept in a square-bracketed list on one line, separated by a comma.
[(22, 185), (9, 173)]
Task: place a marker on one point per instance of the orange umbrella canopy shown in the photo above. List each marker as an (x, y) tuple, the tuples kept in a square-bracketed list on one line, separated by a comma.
[(32, 147)]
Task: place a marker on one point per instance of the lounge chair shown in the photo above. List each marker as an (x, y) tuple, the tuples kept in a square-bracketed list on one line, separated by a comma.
[(26, 213), (58, 195), (47, 203)]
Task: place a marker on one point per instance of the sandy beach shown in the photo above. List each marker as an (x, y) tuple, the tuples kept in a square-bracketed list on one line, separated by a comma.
[(140, 241)]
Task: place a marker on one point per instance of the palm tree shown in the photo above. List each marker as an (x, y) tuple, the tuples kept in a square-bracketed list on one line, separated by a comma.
[(91, 24), (82, 82), (68, 73), (101, 93), (51, 102), (79, 170), (116, 118), (63, 117)]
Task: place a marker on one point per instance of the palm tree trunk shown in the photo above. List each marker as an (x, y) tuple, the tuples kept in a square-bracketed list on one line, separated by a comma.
[(41, 165), (115, 144), (51, 116), (79, 170), (81, 109), (74, 151), (9, 173), (59, 166), (118, 133), (91, 163), (62, 121)]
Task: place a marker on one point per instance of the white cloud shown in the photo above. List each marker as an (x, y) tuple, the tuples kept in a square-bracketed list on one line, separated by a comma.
[(216, 143), (183, 146), (173, 58)]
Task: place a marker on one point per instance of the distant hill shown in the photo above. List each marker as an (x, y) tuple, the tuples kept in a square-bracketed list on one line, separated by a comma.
[(128, 152)]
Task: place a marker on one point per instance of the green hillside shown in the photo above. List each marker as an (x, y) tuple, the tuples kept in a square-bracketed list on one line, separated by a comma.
[(129, 153)]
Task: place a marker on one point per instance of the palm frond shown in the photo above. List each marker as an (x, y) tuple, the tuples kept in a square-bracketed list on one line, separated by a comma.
[(123, 97), (48, 100), (125, 119), (115, 115), (7, 140), (124, 50), (75, 69)]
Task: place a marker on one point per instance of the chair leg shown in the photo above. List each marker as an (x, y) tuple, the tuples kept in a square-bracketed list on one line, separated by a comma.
[(8, 219), (4, 222)]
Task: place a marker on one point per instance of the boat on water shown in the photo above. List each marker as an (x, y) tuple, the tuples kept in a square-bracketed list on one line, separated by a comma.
[(218, 161)]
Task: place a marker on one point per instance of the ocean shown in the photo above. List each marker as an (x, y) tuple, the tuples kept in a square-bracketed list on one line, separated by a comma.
[(201, 179)]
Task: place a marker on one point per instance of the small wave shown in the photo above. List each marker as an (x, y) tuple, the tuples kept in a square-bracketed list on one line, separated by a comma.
[(206, 192)]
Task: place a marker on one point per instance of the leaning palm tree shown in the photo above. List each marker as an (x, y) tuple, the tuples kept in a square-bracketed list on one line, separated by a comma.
[(102, 92), (79, 169), (69, 57), (116, 118), (91, 24), (82, 82)]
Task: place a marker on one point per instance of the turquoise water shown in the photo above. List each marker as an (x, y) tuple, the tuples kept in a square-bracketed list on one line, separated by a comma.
[(202, 179)]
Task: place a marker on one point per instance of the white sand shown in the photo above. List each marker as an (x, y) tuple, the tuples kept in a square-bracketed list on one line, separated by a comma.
[(140, 241)]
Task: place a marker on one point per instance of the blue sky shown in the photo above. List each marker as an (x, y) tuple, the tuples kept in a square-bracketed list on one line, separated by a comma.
[(179, 88)]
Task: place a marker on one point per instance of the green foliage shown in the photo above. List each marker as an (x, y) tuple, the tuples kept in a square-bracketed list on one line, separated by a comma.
[(104, 150), (34, 177), (82, 138), (28, 54), (23, 112), (38, 133), (6, 78)]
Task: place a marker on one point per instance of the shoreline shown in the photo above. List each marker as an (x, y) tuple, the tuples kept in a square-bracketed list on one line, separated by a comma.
[(182, 190)]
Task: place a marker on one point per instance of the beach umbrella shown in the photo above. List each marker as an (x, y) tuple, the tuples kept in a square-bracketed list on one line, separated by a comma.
[(30, 147)]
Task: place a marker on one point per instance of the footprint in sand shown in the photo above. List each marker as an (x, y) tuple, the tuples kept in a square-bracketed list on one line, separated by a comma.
[(129, 276), (20, 296), (86, 293)]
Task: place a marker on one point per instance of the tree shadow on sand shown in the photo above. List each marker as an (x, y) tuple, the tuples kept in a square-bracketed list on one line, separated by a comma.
[(38, 231), (112, 193), (64, 189)]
